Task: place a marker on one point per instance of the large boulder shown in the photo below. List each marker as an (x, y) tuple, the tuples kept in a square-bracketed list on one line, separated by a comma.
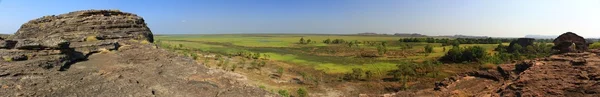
[(570, 42), (105, 53), (79, 25)]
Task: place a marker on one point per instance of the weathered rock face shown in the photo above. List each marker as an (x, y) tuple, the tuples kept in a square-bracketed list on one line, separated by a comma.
[(570, 42), (79, 25), (523, 42), (104, 53)]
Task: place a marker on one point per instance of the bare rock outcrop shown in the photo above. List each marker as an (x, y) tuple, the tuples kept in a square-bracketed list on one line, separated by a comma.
[(570, 42), (105, 53)]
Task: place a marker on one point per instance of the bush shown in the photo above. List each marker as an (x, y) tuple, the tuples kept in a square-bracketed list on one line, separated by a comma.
[(302, 92), (403, 70), (356, 74), (595, 45), (467, 54), (428, 49), (283, 93)]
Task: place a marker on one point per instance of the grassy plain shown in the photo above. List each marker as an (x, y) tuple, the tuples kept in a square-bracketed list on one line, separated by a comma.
[(316, 61), (285, 47)]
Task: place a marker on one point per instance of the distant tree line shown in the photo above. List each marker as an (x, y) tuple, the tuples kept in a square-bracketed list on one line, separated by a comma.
[(446, 41)]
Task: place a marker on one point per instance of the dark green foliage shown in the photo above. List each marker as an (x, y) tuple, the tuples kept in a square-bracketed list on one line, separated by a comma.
[(517, 52), (517, 48), (428, 49), (302, 92), (301, 41), (369, 74), (382, 49), (356, 74), (327, 41), (467, 54), (283, 93), (403, 70), (446, 42)]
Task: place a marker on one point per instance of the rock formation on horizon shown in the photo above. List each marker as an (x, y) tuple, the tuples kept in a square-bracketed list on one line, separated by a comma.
[(570, 42), (573, 73), (104, 53)]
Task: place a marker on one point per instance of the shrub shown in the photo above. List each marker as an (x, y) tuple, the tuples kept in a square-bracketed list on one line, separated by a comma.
[(467, 54), (354, 75), (595, 45), (428, 49), (302, 92), (283, 93)]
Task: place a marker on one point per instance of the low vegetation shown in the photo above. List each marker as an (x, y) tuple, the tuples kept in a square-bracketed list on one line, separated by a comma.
[(314, 60)]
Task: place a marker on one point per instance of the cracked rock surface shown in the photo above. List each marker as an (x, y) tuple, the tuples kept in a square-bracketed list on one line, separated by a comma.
[(105, 53)]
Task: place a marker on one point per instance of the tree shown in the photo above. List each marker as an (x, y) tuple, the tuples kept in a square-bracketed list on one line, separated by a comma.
[(517, 48), (428, 49), (357, 73), (500, 48), (308, 41), (302, 92), (404, 69), (530, 49), (302, 40), (368, 74), (327, 41), (468, 54), (354, 75), (455, 43)]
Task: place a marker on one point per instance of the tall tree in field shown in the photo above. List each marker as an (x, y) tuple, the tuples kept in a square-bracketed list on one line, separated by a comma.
[(301, 40), (327, 41), (428, 49)]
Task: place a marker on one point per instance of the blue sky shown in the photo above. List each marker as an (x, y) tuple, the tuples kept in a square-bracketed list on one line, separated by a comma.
[(498, 18)]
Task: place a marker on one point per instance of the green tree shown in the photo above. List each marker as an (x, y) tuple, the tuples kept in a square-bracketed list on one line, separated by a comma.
[(302, 92), (428, 49), (369, 74), (516, 48), (530, 49), (301, 40), (327, 41), (500, 48), (308, 41), (404, 69)]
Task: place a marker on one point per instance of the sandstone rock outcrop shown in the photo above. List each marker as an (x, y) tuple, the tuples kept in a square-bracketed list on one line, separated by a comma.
[(104, 53), (570, 42)]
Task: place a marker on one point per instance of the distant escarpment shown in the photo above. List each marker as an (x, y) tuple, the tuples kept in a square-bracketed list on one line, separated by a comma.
[(104, 53)]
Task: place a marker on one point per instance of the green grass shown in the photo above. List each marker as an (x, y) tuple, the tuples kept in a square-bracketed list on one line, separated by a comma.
[(284, 48)]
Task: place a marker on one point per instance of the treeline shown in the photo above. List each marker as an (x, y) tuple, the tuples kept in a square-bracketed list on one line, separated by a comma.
[(503, 53), (457, 40)]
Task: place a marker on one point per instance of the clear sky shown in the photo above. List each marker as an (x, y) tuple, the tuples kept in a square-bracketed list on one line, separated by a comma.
[(497, 18)]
